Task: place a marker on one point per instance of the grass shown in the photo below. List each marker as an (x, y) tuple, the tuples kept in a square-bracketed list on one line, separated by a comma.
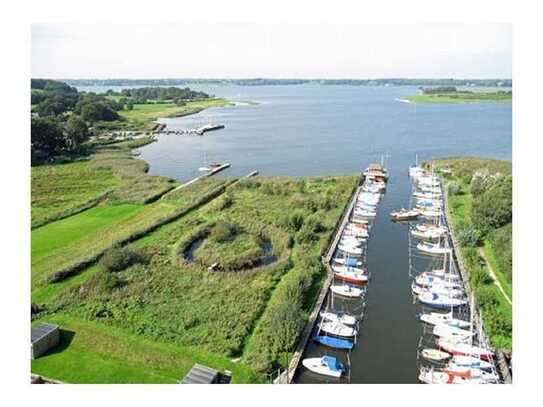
[(143, 114), (91, 352), (497, 312), (461, 97), (60, 187), (182, 305)]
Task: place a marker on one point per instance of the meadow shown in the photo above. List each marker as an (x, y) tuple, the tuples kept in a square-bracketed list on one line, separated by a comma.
[(169, 306), (461, 97)]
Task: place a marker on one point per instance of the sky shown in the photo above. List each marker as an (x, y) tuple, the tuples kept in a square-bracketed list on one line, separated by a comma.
[(71, 51)]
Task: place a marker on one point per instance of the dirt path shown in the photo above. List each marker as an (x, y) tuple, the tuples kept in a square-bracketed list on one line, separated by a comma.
[(493, 275)]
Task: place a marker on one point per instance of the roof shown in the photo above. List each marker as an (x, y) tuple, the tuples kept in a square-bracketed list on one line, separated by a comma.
[(200, 374), (39, 331)]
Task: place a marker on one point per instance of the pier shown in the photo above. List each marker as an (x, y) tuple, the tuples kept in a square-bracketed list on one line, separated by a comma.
[(200, 131), (306, 334), (207, 174)]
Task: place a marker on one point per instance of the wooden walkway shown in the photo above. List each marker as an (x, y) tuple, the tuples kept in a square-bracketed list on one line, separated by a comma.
[(207, 174)]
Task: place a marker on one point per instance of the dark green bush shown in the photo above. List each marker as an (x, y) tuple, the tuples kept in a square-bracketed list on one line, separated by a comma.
[(469, 237), (119, 258), (454, 188), (502, 243), (494, 207)]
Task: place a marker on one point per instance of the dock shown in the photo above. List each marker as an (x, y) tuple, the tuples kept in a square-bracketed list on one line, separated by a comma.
[(200, 131), (207, 174), (326, 260)]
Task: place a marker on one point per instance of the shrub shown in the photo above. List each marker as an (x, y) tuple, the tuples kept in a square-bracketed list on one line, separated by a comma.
[(469, 237), (223, 231), (494, 208), (118, 258), (454, 188), (479, 277), (501, 240), (294, 221)]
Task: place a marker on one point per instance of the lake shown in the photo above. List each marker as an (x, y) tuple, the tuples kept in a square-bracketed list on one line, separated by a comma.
[(332, 130)]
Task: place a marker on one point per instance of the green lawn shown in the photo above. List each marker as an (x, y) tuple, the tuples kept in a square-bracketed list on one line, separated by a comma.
[(92, 352), (489, 253), (57, 235)]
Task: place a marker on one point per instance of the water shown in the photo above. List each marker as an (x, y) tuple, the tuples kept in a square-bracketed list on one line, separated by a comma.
[(320, 130)]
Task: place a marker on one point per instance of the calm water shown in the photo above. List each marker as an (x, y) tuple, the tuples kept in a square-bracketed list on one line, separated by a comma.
[(319, 130)]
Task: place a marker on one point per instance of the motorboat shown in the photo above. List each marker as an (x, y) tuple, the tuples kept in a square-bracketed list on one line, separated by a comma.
[(333, 342), (348, 269), (427, 235), (432, 248), (440, 301), (405, 214), (347, 290), (352, 277), (326, 365), (435, 355), (337, 329), (343, 318)]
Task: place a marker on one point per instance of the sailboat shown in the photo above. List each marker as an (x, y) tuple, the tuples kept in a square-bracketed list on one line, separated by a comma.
[(435, 355), (415, 171), (432, 248), (343, 318), (210, 166), (333, 342), (436, 318), (347, 290), (337, 329)]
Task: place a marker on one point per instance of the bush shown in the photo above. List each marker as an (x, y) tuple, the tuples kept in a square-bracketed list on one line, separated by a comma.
[(294, 221), (454, 188), (478, 277), (469, 237), (223, 231), (117, 259), (502, 244), (494, 207)]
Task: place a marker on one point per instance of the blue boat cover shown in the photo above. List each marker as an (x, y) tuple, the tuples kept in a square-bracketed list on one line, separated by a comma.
[(334, 342), (332, 363), (351, 262)]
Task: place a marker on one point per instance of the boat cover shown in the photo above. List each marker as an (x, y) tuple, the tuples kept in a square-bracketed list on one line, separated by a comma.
[(332, 363), (333, 342)]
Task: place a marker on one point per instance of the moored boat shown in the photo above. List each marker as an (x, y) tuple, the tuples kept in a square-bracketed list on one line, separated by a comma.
[(435, 355), (337, 329), (347, 290), (405, 214), (440, 301), (465, 349), (326, 365), (343, 318), (333, 342)]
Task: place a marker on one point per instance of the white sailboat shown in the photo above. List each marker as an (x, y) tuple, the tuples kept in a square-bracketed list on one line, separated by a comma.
[(436, 318), (347, 290), (342, 318), (337, 329)]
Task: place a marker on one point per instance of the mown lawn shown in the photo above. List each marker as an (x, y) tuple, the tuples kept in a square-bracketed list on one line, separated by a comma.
[(59, 187), (91, 352), (54, 256)]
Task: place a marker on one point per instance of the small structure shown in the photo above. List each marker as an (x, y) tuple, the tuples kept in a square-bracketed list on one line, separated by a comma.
[(200, 374), (43, 337)]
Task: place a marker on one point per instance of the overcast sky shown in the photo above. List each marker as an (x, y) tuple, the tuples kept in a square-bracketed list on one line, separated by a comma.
[(271, 51)]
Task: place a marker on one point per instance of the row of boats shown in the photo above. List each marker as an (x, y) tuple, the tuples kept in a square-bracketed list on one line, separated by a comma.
[(451, 350), (337, 329)]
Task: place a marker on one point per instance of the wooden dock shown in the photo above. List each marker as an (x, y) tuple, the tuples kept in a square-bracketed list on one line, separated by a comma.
[(306, 334), (207, 174)]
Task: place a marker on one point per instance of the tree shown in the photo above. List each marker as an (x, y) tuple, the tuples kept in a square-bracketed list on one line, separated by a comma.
[(494, 207), (46, 136), (76, 132)]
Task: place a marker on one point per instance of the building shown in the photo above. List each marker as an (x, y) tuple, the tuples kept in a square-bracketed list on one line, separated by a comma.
[(200, 374), (42, 338)]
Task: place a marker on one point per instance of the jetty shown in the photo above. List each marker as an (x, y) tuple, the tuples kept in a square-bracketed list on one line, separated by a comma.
[(200, 131), (207, 174), (289, 375)]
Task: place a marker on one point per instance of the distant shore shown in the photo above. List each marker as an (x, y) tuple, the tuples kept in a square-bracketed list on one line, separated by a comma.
[(460, 97)]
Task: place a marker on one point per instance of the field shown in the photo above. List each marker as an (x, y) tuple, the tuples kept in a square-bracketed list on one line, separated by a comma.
[(461, 97), (497, 310), (143, 323), (143, 114)]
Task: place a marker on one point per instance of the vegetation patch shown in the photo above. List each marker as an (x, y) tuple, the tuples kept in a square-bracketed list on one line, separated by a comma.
[(481, 213)]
